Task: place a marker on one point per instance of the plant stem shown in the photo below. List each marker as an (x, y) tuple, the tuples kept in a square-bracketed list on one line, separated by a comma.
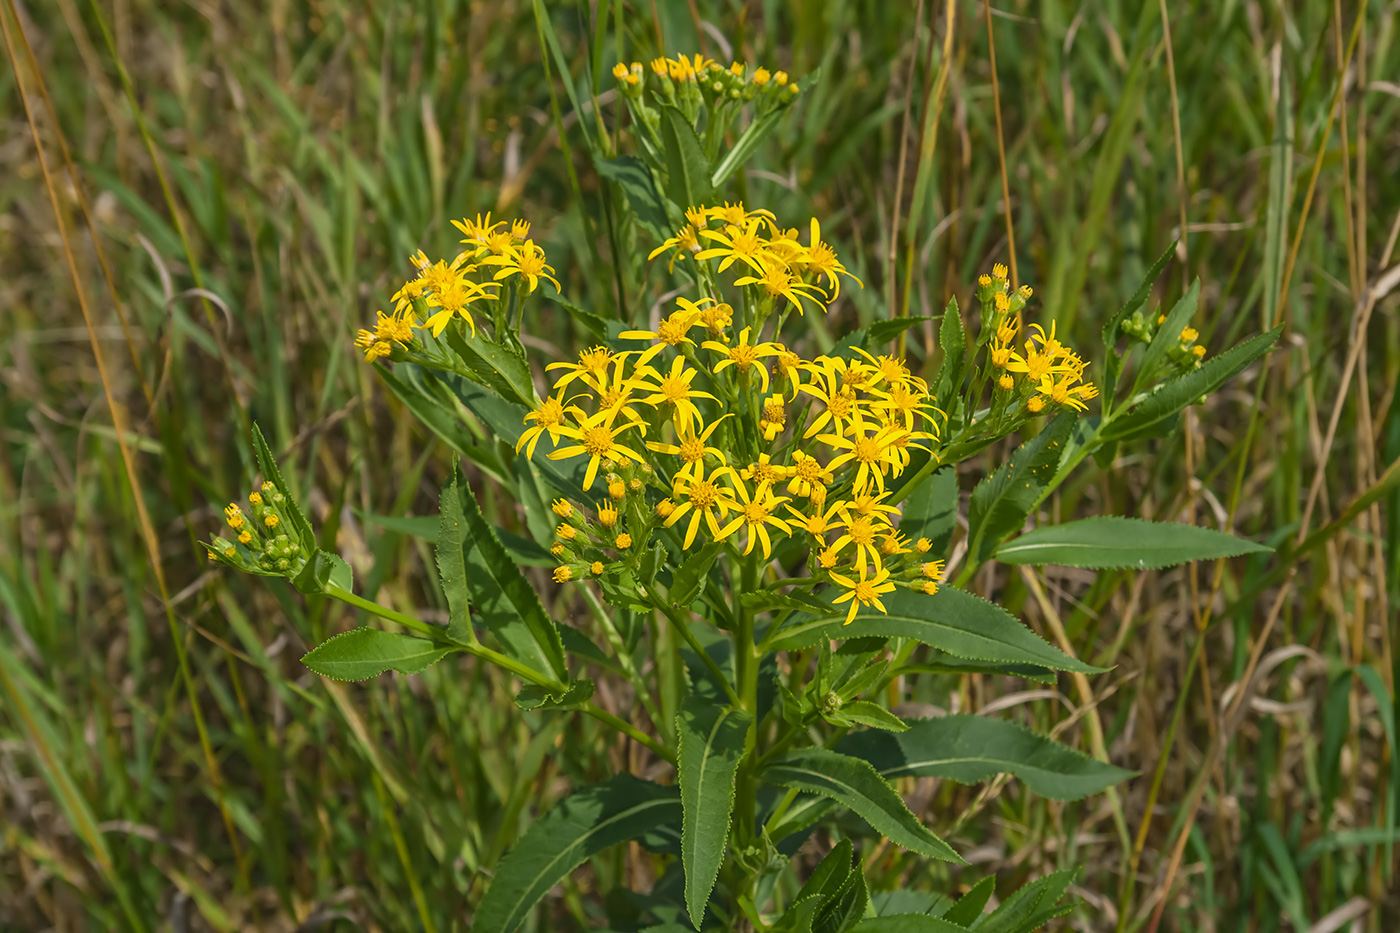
[(627, 729), (671, 612)]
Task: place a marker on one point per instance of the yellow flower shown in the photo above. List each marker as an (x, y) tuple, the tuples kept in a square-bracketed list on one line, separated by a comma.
[(670, 331), (664, 508), (557, 549), (592, 363), (929, 587), (619, 71), (809, 477), (617, 491), (563, 508), (870, 452), (481, 234), (691, 447), (566, 531), (789, 368), (615, 391), (923, 545), (737, 243), (1006, 382), (703, 497), (892, 544), (673, 388), (773, 417), (861, 532), (563, 574), (818, 523), (271, 521), (597, 438), (778, 282), (596, 568), (389, 330), (716, 318), (526, 261), (822, 260), (865, 591), (234, 515), (1035, 404), (866, 504), (549, 417), (756, 514), (734, 214), (686, 242), (743, 355), (761, 76), (607, 516), (764, 471), (932, 570), (624, 541)]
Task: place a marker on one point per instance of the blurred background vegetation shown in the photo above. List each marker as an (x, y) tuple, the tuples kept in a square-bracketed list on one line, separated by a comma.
[(257, 175)]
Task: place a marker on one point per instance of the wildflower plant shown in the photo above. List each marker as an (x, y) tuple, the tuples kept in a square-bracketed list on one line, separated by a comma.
[(709, 487)]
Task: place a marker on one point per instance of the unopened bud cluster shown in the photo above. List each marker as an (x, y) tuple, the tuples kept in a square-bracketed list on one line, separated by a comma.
[(263, 539), (1184, 352)]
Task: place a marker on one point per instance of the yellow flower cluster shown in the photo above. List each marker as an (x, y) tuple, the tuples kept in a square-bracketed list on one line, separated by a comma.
[(708, 428), (770, 257), (733, 83), (259, 545), (447, 289), (1048, 372)]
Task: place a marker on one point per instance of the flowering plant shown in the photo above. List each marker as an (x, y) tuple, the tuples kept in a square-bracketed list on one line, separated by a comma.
[(782, 520)]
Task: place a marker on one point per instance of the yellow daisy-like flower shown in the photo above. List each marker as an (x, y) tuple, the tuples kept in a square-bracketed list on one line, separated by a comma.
[(818, 523), (862, 532), (778, 282), (809, 477), (788, 368), (734, 214), (670, 331), (864, 591), (597, 438), (822, 260), (549, 417), (743, 355), (592, 367), (389, 330), (672, 388), (756, 515), (527, 261), (685, 243), (702, 496), (691, 447), (738, 243), (764, 471), (773, 417), (615, 391), (841, 407)]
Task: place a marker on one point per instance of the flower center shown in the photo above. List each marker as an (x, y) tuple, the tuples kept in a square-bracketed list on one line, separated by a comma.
[(865, 591), (809, 469), (862, 531), (671, 331), (839, 406), (821, 258), (1037, 366), (774, 411), (743, 355), (597, 441), (703, 495), (674, 389), (776, 281), (867, 450), (755, 512), (551, 413), (595, 360), (692, 451), (612, 399)]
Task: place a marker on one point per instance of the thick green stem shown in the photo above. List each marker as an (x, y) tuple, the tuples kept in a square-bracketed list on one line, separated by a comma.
[(673, 614), (746, 663)]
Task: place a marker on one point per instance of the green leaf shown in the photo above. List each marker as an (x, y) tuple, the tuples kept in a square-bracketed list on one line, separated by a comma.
[(534, 696), (268, 465), (885, 331), (854, 783), (635, 179), (689, 578), (969, 749), (968, 909), (711, 745), (1001, 502), (744, 146), (427, 409), (595, 325), (506, 601), (582, 825), (907, 923), (1114, 363), (1115, 542), (865, 713), (1032, 906), (324, 571), (687, 169), (952, 339), (931, 511), (452, 564), (767, 600), (950, 620), (507, 421), (1170, 398), (844, 907), (1169, 332), (501, 369), (425, 527), (368, 652), (943, 663)]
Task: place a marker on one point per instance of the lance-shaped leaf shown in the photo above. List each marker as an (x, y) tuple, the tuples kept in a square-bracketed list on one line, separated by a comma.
[(301, 528), (1114, 364), (635, 179), (689, 579), (907, 923), (582, 825), (968, 749), (855, 784), (950, 620), (711, 745), (931, 511), (1169, 399), (1108, 542), (367, 652), (687, 169), (322, 572), (745, 145), (1169, 332), (1001, 502), (508, 604), (952, 339), (501, 369)]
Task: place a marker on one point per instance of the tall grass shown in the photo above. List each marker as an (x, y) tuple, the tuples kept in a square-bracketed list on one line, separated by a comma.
[(256, 179)]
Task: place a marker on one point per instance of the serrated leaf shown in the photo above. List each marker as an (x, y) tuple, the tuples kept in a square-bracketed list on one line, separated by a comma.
[(1169, 332), (830, 874), (711, 746), (887, 330), (907, 923), (1001, 502), (534, 696), (1031, 907), (582, 825), (865, 713), (689, 578), (767, 600), (451, 562), (968, 909), (950, 620), (687, 169), (324, 571), (499, 368), (952, 340), (844, 907), (1177, 394), (931, 511), (855, 784), (635, 179), (268, 465), (505, 600), (1113, 542), (969, 749), (367, 652)]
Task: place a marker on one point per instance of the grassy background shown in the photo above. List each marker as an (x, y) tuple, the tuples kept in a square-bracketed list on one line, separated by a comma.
[(257, 175)]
